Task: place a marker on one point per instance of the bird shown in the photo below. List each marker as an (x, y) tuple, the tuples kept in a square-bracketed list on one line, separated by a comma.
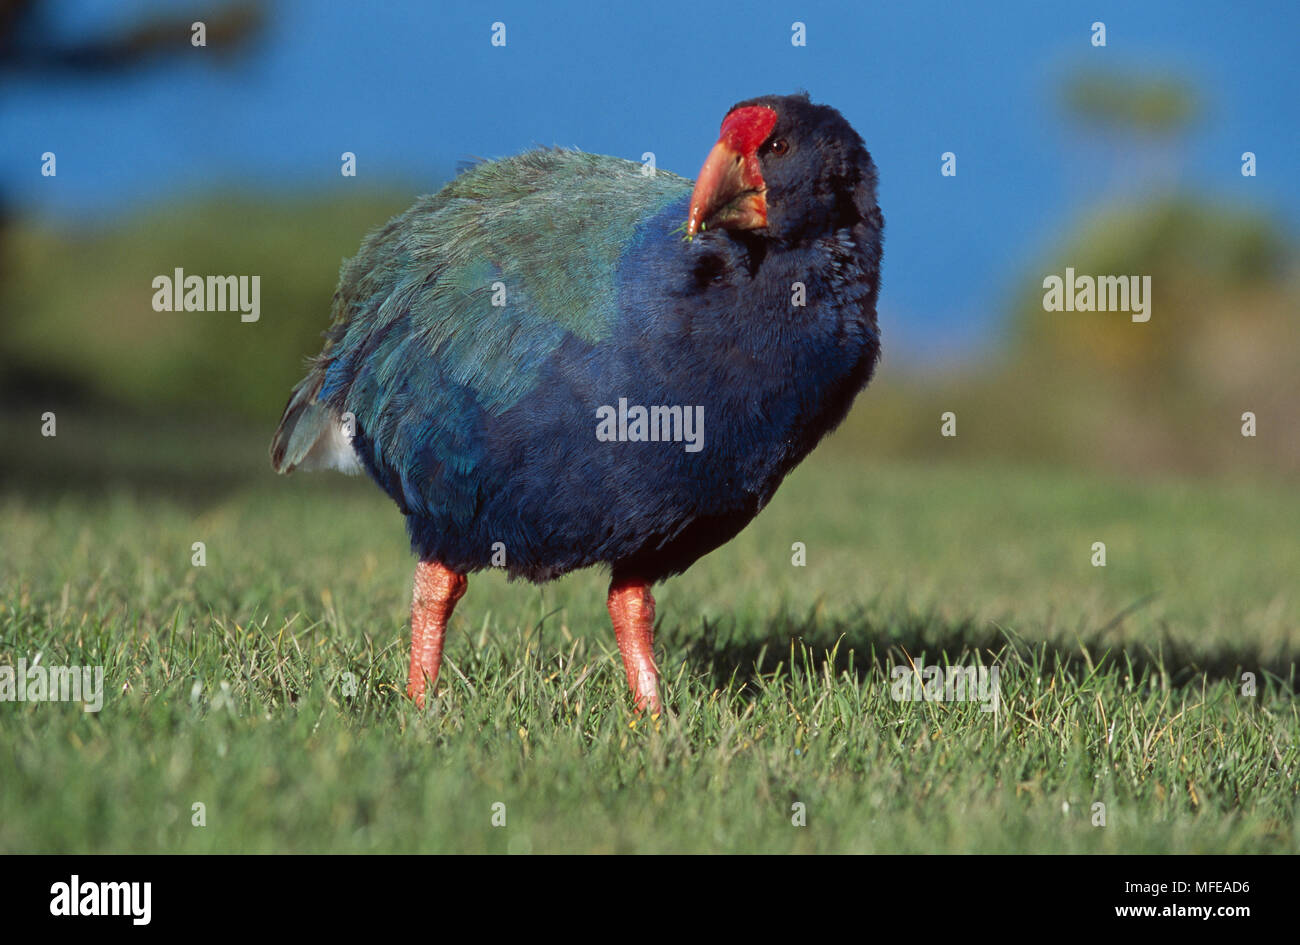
[(564, 360)]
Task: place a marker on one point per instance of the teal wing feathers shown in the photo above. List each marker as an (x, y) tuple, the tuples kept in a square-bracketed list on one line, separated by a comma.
[(452, 307)]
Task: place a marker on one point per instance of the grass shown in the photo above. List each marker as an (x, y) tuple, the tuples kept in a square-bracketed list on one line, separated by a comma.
[(226, 686)]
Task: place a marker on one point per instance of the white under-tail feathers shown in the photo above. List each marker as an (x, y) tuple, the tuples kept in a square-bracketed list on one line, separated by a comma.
[(312, 435), (333, 449)]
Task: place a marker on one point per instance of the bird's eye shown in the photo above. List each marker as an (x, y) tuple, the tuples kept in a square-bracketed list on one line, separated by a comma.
[(779, 147)]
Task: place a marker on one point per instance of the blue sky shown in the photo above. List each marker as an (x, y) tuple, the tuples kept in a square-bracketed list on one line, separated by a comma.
[(412, 88)]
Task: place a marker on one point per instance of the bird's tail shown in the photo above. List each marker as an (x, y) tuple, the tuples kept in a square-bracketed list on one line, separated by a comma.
[(311, 434)]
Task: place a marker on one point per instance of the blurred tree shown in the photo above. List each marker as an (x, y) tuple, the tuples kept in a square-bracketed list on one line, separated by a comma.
[(1160, 106), (1132, 125), (1199, 256), (1222, 337), (29, 46), (27, 43)]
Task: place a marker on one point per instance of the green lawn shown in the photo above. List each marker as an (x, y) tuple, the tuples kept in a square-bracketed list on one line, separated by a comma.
[(225, 684)]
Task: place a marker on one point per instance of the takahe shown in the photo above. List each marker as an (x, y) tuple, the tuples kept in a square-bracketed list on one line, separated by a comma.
[(562, 360)]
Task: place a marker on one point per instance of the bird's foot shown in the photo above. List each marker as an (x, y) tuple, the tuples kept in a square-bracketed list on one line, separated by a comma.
[(632, 611), (437, 589)]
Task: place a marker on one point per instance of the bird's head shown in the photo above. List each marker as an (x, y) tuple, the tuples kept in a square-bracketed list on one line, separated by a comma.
[(786, 167)]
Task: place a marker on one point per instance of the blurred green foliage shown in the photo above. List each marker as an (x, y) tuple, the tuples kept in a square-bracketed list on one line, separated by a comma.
[(1222, 338), (79, 316), (1159, 105)]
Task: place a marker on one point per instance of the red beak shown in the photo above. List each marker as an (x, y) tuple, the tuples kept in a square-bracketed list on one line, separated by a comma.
[(730, 192)]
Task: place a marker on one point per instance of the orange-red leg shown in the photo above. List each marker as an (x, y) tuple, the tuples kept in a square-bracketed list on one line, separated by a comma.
[(434, 598), (632, 610)]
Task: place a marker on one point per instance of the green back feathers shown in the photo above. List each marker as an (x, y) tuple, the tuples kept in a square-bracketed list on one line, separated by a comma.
[(469, 291), (553, 222), (548, 223), (541, 232)]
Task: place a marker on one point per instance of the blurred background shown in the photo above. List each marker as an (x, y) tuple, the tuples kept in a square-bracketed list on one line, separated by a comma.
[(225, 159)]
